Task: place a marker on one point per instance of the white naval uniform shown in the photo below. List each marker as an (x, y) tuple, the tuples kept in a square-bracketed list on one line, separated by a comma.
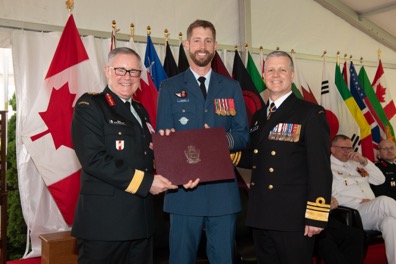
[(350, 188)]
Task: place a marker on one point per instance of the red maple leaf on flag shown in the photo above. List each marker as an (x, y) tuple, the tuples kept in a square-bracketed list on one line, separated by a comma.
[(58, 117), (380, 93)]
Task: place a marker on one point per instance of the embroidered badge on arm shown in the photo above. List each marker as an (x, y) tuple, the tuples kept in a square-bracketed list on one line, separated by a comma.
[(110, 100)]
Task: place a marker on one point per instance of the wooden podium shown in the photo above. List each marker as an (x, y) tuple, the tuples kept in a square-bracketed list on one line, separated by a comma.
[(58, 248)]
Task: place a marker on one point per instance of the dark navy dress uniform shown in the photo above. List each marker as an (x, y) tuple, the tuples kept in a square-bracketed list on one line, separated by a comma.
[(291, 177), (117, 170), (388, 188)]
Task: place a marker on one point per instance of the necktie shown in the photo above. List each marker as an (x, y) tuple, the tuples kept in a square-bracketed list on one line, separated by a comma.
[(202, 85), (132, 109), (272, 109)]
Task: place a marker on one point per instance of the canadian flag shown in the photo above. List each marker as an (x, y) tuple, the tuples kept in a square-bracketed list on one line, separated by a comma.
[(383, 94), (45, 100)]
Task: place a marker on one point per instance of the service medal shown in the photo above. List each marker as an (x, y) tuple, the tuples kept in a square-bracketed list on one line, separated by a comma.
[(231, 105), (217, 106)]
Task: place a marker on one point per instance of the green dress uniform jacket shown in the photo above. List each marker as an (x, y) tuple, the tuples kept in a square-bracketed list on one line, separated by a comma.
[(117, 169)]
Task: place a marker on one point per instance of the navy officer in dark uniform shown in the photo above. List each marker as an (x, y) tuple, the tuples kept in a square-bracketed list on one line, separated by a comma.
[(387, 164), (114, 217), (290, 188)]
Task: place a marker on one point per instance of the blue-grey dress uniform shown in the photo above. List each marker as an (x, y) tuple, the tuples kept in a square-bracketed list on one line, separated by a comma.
[(388, 188), (291, 176), (117, 169), (182, 106)]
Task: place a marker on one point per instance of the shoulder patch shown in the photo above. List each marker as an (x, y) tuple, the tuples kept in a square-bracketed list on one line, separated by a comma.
[(110, 99)]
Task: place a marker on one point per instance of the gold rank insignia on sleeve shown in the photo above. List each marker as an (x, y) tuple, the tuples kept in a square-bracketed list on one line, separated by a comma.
[(235, 157), (135, 182), (318, 210), (83, 102)]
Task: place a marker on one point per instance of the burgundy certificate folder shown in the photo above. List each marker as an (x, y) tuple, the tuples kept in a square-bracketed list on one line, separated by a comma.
[(191, 154)]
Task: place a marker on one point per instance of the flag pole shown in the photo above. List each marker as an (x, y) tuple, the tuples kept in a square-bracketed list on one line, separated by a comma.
[(246, 53), (338, 58), (166, 35), (132, 30), (114, 30)]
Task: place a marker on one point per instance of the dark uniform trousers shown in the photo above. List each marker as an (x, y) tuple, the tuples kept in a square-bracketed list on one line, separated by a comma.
[(269, 243), (111, 252)]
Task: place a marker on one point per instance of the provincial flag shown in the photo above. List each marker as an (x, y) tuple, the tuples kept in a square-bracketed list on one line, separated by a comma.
[(345, 73), (365, 130), (218, 65), (170, 65), (255, 74), (375, 106), (302, 84), (297, 91), (338, 115), (147, 94), (183, 63), (153, 64), (383, 94), (253, 100), (361, 99)]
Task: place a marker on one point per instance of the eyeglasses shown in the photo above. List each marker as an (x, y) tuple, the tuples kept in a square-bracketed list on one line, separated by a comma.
[(388, 148), (344, 148), (123, 72)]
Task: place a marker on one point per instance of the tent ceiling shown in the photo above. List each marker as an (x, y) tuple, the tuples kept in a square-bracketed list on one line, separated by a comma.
[(375, 18)]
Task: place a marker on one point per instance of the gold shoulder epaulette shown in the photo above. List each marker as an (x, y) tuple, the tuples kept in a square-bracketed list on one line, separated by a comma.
[(83, 102), (318, 210), (92, 93)]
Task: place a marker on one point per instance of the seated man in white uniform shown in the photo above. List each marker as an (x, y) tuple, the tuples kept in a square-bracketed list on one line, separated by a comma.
[(352, 176)]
